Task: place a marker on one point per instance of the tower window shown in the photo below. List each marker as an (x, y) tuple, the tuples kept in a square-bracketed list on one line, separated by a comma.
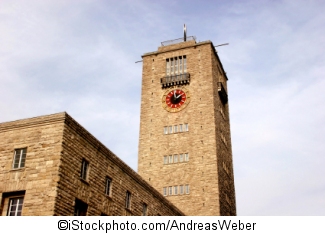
[(176, 72), (19, 158), (176, 65), (187, 189), (180, 157), (186, 157), (185, 64), (175, 158), (175, 128), (167, 67), (175, 190), (181, 189), (180, 59), (165, 160)]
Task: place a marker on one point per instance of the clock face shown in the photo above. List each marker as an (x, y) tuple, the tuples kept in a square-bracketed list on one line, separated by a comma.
[(175, 99)]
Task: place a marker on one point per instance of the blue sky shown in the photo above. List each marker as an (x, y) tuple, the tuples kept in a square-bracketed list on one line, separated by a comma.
[(79, 57)]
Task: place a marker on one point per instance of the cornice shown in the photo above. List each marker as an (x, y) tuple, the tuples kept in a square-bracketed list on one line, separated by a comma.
[(33, 122)]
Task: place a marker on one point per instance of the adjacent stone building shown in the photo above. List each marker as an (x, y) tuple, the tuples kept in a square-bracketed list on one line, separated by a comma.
[(51, 165)]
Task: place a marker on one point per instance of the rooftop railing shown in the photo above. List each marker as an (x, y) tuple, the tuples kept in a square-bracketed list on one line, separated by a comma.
[(180, 40)]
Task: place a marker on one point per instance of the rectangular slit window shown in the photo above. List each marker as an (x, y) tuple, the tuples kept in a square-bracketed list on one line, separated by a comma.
[(128, 200), (186, 157), (144, 209), (165, 160), (167, 67), (181, 189), (170, 159), (187, 189), (165, 191), (175, 190), (175, 158), (108, 186), (180, 157), (180, 65), (84, 169)]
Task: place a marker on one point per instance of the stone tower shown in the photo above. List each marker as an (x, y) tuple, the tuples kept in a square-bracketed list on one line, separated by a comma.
[(185, 145)]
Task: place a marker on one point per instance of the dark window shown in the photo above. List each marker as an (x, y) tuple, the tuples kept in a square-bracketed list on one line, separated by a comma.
[(80, 208), (108, 186), (144, 209), (128, 200), (19, 158), (84, 169), (15, 206)]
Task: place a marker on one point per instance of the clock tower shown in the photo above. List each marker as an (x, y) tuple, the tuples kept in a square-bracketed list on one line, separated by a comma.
[(185, 145)]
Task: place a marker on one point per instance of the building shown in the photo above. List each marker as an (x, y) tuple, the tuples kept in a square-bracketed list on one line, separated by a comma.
[(185, 144), (51, 165)]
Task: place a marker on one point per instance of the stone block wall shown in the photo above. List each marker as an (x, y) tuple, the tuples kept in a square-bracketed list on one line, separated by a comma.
[(224, 149), (203, 172), (78, 144), (50, 182), (37, 180)]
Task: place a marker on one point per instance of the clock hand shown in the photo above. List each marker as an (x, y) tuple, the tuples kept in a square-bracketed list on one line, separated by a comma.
[(178, 96), (175, 93)]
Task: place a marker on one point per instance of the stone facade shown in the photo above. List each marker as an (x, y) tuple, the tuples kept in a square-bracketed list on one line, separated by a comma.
[(67, 172), (208, 172)]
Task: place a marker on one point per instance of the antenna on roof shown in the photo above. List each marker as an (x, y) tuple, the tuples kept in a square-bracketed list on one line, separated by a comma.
[(224, 44), (184, 29)]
